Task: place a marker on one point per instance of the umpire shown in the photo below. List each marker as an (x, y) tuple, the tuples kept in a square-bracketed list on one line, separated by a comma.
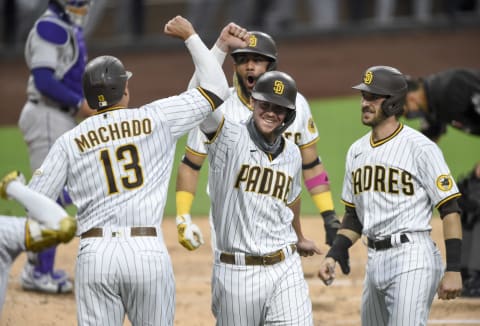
[(450, 97), (469, 186)]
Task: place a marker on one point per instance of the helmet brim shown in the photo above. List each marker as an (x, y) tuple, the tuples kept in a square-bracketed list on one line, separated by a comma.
[(275, 99), (367, 88)]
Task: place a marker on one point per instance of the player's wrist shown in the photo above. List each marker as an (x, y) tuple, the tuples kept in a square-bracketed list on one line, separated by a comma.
[(339, 247), (183, 219), (453, 249)]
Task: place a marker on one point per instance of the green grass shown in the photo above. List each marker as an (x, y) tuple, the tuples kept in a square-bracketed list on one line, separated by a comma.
[(338, 121)]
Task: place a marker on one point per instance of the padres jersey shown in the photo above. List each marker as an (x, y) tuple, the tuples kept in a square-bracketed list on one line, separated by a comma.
[(395, 183), (117, 164), (302, 131), (250, 192)]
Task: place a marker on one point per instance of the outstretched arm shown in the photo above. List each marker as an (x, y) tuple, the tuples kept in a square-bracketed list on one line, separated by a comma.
[(49, 223), (226, 42), (209, 72)]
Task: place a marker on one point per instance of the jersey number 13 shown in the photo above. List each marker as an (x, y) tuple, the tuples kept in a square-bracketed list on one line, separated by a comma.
[(128, 161)]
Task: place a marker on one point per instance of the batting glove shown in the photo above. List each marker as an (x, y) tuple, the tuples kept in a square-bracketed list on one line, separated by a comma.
[(331, 224), (12, 176), (189, 234)]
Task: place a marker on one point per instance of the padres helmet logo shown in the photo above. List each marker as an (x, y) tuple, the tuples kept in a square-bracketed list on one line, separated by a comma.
[(101, 100), (368, 78), (252, 42), (278, 87), (311, 126), (444, 182)]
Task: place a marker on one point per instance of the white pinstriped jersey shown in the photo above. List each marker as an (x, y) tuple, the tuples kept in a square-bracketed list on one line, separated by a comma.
[(12, 244), (394, 184), (117, 164), (302, 131), (250, 192)]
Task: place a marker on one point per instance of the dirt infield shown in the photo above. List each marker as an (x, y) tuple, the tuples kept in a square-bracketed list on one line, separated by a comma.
[(338, 304)]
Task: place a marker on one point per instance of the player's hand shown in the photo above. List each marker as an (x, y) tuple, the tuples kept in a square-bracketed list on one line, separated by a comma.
[(189, 234), (12, 176), (331, 223), (327, 271), (306, 247), (450, 286), (179, 27), (232, 37)]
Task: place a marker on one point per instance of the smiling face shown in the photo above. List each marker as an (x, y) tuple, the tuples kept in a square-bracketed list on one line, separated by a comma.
[(268, 117), (248, 67)]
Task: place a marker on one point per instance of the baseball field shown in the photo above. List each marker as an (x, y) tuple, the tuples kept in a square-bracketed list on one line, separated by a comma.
[(325, 70)]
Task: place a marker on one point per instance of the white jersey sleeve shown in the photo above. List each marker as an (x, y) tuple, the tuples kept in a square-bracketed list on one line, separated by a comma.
[(303, 130)]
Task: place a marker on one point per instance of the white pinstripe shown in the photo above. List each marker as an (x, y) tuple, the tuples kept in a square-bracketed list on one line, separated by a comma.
[(400, 282), (12, 243), (122, 274), (248, 222)]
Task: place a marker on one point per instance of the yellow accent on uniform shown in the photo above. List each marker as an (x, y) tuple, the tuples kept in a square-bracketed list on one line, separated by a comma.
[(444, 182), (323, 201), (311, 127), (184, 200)]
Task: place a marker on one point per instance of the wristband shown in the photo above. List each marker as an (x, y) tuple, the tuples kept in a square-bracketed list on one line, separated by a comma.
[(339, 247), (184, 200), (453, 248)]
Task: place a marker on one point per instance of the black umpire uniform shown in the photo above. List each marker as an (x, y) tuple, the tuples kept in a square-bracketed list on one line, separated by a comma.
[(452, 98)]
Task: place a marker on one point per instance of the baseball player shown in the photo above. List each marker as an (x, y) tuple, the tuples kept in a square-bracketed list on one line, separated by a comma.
[(47, 224), (56, 55), (116, 166), (255, 187), (249, 63), (394, 177)]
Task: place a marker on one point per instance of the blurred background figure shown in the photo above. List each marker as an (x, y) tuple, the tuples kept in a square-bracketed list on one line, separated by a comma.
[(385, 11), (128, 21), (18, 18), (56, 55), (469, 186)]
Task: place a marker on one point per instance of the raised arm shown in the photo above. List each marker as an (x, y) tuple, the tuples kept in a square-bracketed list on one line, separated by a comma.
[(50, 224), (209, 73), (226, 42)]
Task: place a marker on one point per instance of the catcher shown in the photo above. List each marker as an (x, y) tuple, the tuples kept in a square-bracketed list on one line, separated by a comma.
[(469, 186), (47, 224)]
